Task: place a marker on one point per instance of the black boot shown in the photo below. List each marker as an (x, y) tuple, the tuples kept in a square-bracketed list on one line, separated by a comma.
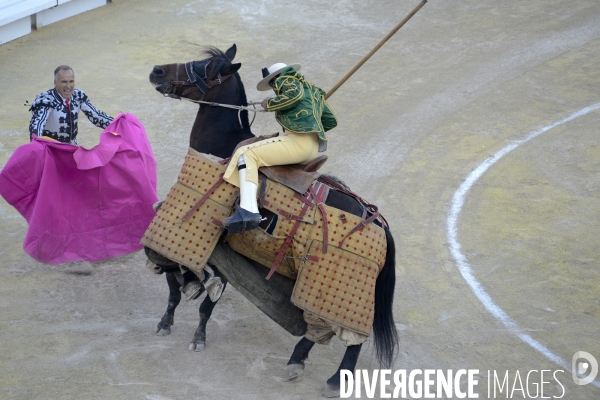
[(242, 220)]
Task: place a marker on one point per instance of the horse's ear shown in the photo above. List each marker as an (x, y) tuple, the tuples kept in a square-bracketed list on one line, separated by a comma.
[(232, 69), (230, 53)]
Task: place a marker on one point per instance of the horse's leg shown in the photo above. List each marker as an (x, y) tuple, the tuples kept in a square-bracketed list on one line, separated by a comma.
[(164, 326), (295, 367), (348, 362), (206, 309)]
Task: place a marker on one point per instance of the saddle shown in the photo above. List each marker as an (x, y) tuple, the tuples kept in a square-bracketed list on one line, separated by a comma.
[(297, 177)]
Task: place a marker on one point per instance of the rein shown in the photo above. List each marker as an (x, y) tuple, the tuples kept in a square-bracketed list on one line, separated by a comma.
[(239, 108)]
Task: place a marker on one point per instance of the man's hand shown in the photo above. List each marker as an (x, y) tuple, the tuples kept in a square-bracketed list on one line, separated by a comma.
[(263, 104)]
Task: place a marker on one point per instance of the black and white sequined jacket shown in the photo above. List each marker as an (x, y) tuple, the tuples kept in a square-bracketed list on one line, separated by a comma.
[(50, 116)]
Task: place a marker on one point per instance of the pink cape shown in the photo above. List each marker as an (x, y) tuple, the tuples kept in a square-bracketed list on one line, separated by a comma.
[(84, 204)]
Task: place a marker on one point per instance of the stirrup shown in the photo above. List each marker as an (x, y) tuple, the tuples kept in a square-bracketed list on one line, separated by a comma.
[(192, 290), (241, 221)]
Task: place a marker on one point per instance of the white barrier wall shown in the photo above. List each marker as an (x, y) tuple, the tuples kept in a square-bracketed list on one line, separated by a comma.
[(19, 17)]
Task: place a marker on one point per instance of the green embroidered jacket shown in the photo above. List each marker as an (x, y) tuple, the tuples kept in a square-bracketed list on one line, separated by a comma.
[(299, 105)]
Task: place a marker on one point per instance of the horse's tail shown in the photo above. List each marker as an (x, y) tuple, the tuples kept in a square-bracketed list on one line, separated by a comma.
[(384, 329)]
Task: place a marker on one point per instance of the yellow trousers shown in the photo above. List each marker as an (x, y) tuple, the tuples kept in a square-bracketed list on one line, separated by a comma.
[(291, 148)]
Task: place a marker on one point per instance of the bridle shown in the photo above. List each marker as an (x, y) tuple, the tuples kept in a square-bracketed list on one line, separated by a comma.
[(195, 81), (199, 82)]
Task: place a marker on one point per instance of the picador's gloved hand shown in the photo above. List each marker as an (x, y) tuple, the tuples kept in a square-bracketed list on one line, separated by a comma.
[(264, 103)]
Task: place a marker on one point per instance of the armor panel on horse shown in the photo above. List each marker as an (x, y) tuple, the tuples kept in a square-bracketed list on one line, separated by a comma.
[(333, 256)]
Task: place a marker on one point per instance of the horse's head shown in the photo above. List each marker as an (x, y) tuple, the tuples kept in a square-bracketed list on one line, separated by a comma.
[(212, 80), (194, 79)]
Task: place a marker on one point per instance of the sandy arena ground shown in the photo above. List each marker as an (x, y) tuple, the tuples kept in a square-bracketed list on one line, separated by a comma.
[(471, 129)]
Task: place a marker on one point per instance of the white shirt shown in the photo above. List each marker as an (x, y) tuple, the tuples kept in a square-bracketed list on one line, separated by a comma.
[(52, 118)]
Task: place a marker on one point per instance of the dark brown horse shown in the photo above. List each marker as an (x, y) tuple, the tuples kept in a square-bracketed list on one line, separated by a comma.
[(217, 130)]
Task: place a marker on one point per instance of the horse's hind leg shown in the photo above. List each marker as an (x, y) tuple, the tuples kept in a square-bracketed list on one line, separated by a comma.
[(164, 326), (206, 309), (295, 367), (348, 362)]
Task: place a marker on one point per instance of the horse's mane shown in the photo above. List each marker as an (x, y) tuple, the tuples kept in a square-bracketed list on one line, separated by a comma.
[(213, 52), (216, 53)]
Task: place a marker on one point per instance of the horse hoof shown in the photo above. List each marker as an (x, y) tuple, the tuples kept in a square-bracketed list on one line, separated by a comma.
[(331, 391), (196, 346), (154, 268), (162, 331), (156, 206), (294, 371)]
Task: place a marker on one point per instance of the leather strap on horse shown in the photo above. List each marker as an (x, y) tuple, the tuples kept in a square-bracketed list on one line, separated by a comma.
[(194, 81), (288, 215), (318, 196), (303, 199), (288, 241), (203, 199), (311, 197), (209, 84), (361, 225)]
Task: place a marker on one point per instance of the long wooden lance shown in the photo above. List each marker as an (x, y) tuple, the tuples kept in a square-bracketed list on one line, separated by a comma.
[(385, 39)]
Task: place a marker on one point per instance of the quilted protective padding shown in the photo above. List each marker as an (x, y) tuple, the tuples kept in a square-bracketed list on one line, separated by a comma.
[(262, 247), (191, 242), (338, 286), (369, 242)]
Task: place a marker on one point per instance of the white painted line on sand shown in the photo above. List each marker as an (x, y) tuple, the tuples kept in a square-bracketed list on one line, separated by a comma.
[(461, 261)]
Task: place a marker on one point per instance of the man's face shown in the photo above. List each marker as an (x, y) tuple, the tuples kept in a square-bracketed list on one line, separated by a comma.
[(64, 82)]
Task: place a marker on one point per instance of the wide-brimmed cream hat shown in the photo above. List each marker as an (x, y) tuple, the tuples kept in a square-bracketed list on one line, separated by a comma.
[(273, 71)]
